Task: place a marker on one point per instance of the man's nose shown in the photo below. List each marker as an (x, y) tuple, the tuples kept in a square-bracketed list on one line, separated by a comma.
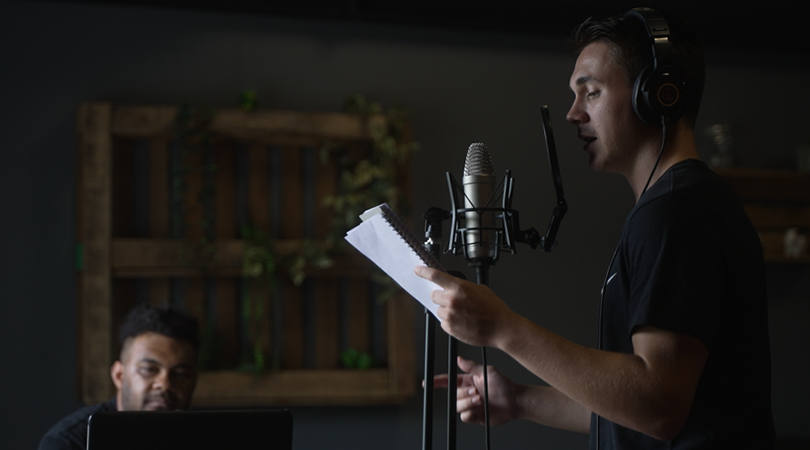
[(162, 381), (576, 115)]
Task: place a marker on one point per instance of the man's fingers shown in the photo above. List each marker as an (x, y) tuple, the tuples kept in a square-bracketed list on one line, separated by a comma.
[(470, 416), (468, 403), (468, 366), (440, 381), (437, 276)]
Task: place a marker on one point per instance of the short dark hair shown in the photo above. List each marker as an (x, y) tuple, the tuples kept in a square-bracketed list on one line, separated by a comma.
[(632, 50), (168, 321)]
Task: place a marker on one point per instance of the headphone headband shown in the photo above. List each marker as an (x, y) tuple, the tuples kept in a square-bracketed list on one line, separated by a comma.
[(659, 91)]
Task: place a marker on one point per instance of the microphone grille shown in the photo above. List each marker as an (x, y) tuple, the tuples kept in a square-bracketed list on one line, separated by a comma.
[(478, 161)]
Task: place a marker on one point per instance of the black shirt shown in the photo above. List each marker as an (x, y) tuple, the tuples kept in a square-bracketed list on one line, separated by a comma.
[(690, 261), (70, 433)]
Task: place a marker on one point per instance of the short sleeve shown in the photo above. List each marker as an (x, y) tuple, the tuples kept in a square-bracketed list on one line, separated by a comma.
[(677, 269)]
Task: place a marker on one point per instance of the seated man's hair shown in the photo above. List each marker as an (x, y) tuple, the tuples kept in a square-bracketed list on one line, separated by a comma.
[(170, 322)]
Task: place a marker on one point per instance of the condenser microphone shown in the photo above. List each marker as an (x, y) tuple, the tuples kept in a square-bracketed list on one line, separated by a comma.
[(480, 237)]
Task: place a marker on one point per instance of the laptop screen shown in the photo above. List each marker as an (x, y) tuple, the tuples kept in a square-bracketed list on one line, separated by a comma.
[(173, 430)]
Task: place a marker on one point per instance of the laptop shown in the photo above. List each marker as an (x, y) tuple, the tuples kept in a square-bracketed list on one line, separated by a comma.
[(174, 430)]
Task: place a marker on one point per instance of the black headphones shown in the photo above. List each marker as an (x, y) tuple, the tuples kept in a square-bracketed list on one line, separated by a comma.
[(659, 92)]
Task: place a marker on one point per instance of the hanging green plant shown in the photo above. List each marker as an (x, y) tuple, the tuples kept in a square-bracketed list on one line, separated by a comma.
[(195, 157), (367, 182), (193, 136), (258, 268), (312, 254)]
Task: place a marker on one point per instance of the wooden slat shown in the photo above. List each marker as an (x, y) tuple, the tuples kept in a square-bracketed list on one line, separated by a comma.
[(292, 227), (170, 257), (124, 293), (225, 187), (292, 195), (159, 187), (194, 289), (359, 333), (95, 147), (259, 217), (159, 220), (143, 121), (326, 184), (123, 188), (194, 298), (165, 253), (293, 347), (400, 345), (149, 121), (258, 187), (327, 319), (123, 224), (194, 209), (265, 124), (226, 288), (293, 387)]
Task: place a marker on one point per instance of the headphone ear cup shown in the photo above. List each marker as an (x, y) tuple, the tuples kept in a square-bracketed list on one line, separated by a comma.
[(657, 96), (641, 99)]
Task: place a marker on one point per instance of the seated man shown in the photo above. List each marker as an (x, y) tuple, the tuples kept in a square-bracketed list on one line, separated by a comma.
[(157, 370)]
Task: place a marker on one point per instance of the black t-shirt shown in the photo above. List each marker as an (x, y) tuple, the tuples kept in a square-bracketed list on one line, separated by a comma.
[(70, 433), (690, 261)]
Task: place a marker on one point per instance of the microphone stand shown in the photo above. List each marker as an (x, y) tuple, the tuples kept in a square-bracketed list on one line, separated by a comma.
[(427, 394), (433, 235), (510, 234), (482, 277)]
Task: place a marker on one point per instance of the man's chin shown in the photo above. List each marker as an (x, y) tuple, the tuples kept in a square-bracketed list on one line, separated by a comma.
[(158, 406), (595, 164), (598, 164)]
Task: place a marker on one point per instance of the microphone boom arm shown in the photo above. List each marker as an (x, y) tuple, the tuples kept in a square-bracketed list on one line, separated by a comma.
[(548, 242)]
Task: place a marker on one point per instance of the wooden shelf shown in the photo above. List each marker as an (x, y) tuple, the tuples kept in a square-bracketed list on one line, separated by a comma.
[(775, 200)]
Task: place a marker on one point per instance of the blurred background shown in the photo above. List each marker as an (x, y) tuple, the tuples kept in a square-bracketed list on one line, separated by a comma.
[(468, 71)]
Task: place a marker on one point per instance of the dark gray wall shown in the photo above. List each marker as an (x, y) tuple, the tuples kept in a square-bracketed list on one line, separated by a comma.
[(461, 86)]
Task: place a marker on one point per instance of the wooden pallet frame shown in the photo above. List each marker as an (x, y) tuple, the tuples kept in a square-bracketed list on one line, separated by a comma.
[(106, 258)]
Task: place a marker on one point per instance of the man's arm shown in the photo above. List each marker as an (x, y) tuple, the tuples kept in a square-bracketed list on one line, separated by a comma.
[(57, 441), (650, 391), (548, 406), (511, 401)]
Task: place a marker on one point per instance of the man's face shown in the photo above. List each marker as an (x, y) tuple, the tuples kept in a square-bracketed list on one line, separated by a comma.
[(155, 372), (603, 111)]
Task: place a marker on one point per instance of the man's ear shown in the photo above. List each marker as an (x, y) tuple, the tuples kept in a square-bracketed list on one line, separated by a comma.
[(117, 374)]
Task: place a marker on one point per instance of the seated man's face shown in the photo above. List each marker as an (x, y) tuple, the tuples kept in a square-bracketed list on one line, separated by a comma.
[(155, 372)]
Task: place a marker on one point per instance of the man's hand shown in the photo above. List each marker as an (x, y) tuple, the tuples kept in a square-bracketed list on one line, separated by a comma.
[(470, 312), (503, 394)]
